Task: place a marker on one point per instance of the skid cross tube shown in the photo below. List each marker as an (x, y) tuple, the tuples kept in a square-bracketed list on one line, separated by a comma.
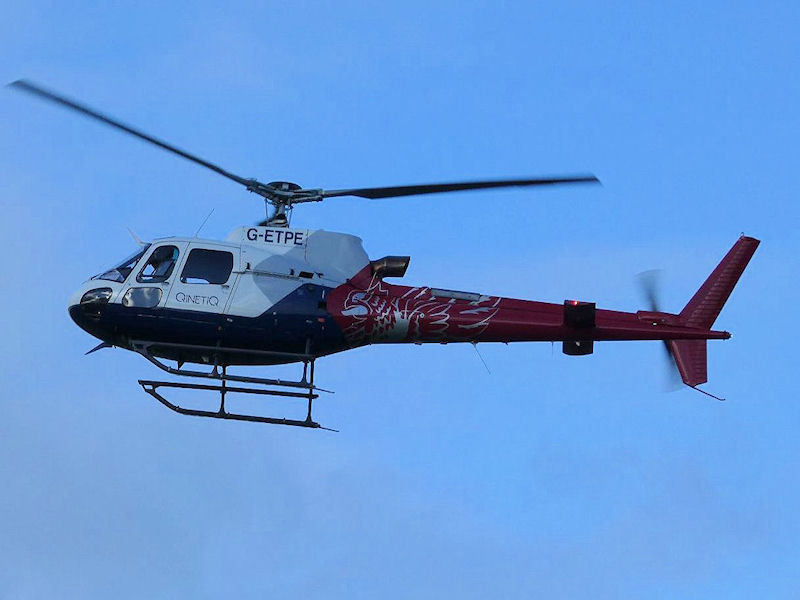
[(293, 355), (143, 348)]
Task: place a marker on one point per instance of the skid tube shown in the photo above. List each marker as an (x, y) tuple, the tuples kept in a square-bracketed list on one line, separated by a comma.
[(219, 373)]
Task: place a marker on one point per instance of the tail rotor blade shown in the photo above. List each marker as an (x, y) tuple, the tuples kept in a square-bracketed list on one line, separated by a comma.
[(672, 379), (650, 285)]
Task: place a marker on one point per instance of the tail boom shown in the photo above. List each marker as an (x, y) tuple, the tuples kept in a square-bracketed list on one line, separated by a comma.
[(369, 310)]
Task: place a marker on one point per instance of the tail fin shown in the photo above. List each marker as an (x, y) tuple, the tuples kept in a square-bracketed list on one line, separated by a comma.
[(704, 308), (690, 358)]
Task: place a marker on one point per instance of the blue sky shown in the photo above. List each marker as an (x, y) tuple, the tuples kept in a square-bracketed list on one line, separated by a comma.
[(552, 476)]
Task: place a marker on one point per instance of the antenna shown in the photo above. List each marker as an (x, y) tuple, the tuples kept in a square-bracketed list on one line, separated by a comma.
[(475, 345), (136, 238), (204, 222)]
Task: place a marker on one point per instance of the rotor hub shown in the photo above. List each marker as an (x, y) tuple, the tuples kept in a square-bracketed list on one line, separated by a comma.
[(280, 195), (284, 186)]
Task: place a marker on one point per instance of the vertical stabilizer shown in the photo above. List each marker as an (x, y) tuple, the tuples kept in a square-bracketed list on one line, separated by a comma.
[(690, 358), (704, 308)]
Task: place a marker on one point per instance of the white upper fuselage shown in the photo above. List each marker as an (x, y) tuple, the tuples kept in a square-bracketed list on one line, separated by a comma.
[(244, 275)]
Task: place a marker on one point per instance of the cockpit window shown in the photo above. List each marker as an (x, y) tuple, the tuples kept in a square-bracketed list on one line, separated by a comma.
[(120, 272), (159, 266)]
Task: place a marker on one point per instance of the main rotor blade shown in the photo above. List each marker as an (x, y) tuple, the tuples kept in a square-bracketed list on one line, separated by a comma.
[(439, 188), (37, 90)]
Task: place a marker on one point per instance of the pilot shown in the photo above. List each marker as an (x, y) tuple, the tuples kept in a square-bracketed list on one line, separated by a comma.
[(162, 260)]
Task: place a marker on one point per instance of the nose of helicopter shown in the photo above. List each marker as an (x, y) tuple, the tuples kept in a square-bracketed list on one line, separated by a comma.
[(87, 306)]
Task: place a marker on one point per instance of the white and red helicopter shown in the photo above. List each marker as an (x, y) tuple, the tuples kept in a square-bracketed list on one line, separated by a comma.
[(271, 294)]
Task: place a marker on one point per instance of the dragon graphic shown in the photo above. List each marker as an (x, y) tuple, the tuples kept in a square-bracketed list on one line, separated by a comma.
[(381, 312)]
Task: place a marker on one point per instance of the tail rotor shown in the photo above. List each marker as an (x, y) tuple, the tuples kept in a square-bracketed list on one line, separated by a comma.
[(650, 287)]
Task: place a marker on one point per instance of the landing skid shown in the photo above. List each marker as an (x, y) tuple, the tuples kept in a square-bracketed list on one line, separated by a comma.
[(285, 389)]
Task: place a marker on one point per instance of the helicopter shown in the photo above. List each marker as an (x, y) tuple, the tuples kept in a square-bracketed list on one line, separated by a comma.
[(272, 294)]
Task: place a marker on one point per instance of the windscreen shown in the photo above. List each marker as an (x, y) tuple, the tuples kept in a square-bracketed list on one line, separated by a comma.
[(123, 269)]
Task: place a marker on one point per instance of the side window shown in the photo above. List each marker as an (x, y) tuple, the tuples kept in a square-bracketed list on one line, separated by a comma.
[(159, 266), (207, 266), (142, 297)]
